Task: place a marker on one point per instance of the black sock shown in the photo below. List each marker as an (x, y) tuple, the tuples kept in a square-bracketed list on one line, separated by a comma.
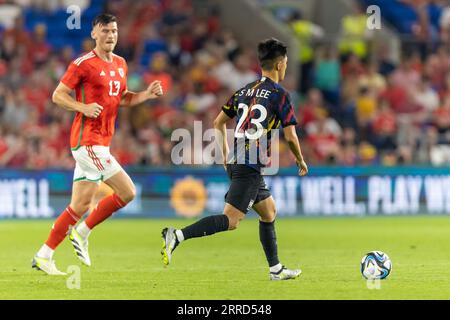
[(268, 238), (206, 226)]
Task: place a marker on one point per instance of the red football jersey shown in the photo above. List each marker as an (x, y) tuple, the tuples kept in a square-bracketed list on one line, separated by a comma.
[(95, 80)]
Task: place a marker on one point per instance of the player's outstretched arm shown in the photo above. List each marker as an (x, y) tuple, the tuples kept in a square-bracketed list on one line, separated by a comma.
[(292, 139), (61, 97), (220, 131), (130, 99)]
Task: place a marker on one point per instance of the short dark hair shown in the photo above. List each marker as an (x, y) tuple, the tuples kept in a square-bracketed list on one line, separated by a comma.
[(269, 51), (103, 19)]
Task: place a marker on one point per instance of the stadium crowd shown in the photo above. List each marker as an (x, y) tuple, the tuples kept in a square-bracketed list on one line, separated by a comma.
[(356, 107)]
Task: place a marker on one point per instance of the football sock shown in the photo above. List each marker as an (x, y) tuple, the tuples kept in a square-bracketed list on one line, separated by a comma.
[(180, 235), (276, 268), (268, 238), (206, 226), (61, 227), (104, 209), (83, 230), (45, 252)]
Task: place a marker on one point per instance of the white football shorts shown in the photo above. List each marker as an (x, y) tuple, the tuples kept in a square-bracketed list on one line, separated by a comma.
[(94, 163)]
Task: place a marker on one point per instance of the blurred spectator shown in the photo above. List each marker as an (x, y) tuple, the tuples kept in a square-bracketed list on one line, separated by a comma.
[(440, 139), (349, 137), (325, 124), (354, 33), (373, 80), (405, 155), (406, 76), (352, 69), (87, 45), (384, 128), (16, 111), (386, 66), (158, 70), (327, 76), (18, 34), (199, 100), (236, 74), (367, 153), (39, 50), (441, 119), (425, 97), (8, 48), (444, 23), (16, 154), (348, 155), (425, 33), (396, 96), (437, 68), (37, 90), (323, 136), (306, 31), (366, 108), (310, 109)]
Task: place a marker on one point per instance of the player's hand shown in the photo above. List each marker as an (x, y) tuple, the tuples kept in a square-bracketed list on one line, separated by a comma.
[(225, 161), (92, 110), (302, 168), (155, 89)]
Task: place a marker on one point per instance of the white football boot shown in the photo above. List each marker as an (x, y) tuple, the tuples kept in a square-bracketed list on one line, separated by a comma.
[(46, 265), (285, 274), (170, 242), (80, 246)]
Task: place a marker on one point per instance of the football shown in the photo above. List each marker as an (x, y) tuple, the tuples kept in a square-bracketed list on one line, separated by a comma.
[(376, 265)]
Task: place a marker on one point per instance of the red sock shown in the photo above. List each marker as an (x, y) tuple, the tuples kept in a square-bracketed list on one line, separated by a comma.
[(104, 209), (61, 226)]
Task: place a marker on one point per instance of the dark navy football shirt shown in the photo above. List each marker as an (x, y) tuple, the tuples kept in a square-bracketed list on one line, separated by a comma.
[(259, 107)]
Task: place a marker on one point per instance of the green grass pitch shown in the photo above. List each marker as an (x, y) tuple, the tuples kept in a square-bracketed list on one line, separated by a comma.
[(231, 265)]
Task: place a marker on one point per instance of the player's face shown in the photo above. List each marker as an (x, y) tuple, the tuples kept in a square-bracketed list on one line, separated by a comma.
[(106, 36), (282, 65)]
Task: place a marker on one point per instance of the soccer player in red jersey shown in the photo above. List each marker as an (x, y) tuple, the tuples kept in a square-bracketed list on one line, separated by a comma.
[(99, 79)]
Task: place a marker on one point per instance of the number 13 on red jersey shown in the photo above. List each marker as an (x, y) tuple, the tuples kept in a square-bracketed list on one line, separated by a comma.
[(114, 87)]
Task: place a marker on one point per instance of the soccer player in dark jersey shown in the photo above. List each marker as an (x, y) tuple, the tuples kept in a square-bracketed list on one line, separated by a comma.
[(259, 107)]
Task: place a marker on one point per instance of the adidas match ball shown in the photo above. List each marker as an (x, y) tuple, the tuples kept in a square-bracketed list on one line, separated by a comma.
[(376, 265)]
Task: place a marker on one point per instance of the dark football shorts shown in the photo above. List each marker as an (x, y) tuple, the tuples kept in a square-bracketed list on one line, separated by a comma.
[(247, 187)]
